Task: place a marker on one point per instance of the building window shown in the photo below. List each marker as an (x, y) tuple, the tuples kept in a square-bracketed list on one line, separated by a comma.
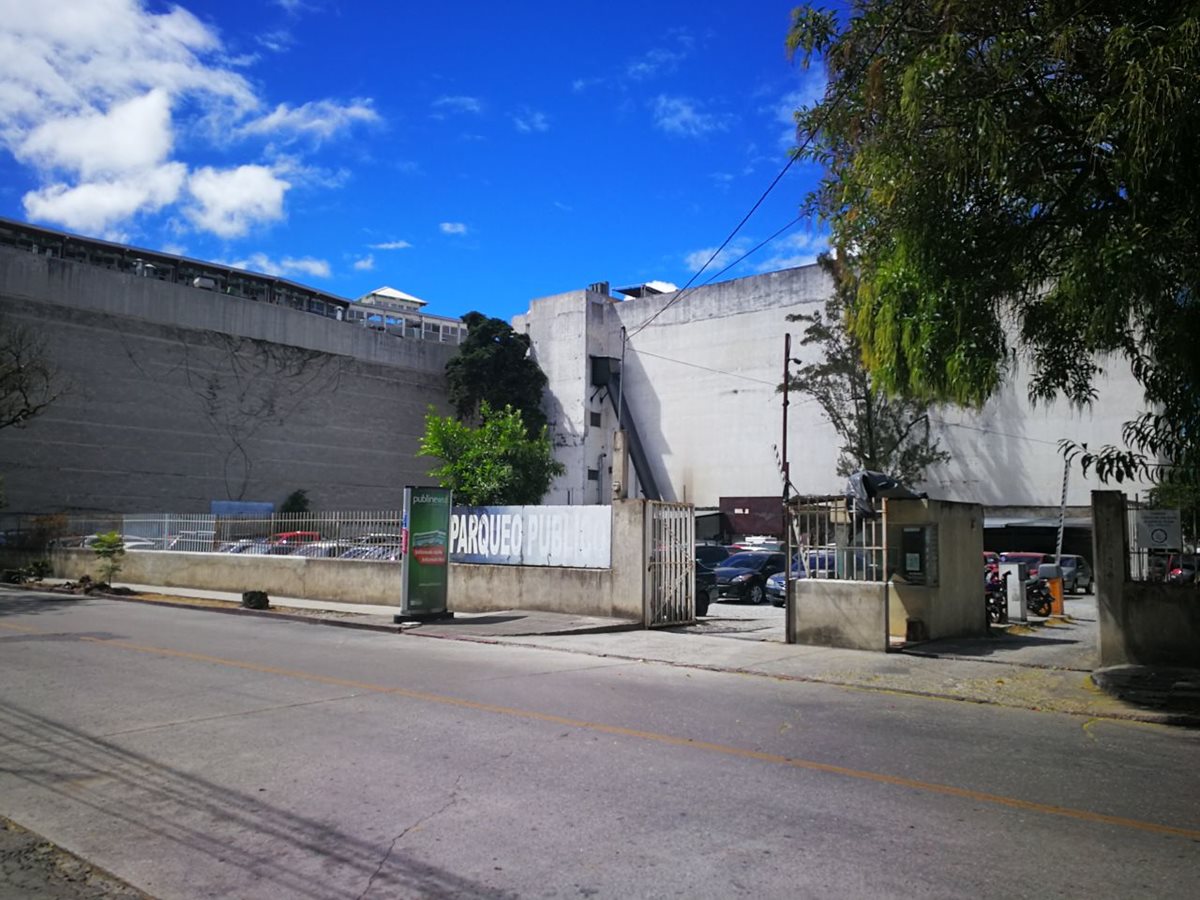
[(593, 474), (595, 419)]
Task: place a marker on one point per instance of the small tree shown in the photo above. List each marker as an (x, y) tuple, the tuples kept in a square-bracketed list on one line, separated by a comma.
[(878, 432), (494, 365), (496, 464), (296, 502), (109, 548)]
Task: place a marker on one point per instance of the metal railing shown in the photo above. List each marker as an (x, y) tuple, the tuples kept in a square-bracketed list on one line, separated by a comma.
[(373, 535), (834, 540), (670, 574)]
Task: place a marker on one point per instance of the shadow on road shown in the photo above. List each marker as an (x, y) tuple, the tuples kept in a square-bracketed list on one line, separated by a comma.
[(139, 794), (23, 602)]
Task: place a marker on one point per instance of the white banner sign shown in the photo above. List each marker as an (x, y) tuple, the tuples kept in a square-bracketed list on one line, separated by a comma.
[(1158, 529), (565, 536)]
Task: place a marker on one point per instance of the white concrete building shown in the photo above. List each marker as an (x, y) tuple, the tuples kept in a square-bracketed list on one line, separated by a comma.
[(699, 385)]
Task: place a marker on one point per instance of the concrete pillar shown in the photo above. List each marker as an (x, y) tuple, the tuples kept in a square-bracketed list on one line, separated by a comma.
[(629, 561), (1110, 561)]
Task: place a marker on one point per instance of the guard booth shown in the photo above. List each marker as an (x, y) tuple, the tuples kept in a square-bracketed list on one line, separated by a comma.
[(909, 573)]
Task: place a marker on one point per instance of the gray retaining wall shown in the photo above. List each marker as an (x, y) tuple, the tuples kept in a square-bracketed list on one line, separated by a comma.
[(178, 396)]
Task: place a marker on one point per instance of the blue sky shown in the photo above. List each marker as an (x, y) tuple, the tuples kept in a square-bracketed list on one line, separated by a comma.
[(476, 155)]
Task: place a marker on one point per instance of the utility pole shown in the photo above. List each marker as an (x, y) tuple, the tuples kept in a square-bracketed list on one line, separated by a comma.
[(788, 606)]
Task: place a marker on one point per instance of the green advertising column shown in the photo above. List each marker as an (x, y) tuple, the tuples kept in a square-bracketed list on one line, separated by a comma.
[(426, 551)]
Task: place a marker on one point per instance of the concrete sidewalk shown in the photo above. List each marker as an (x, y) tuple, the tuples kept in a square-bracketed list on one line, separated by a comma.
[(1025, 671)]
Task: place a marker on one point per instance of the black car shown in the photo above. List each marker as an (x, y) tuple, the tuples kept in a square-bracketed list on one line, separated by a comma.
[(743, 576), (711, 555), (706, 587)]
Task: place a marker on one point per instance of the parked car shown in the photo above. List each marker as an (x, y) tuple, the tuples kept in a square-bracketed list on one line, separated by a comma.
[(991, 561), (706, 587), (776, 585), (743, 576), (1029, 561), (389, 552), (1077, 574), (758, 542), (711, 554), (1183, 569), (191, 541), (321, 549), (249, 546), (285, 542)]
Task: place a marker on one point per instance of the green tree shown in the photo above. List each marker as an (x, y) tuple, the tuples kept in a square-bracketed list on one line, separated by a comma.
[(296, 502), (878, 432), (1032, 163), (495, 464), (494, 365), (109, 549)]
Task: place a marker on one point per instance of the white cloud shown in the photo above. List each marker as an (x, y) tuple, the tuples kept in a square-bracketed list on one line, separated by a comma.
[(391, 245), (662, 60), (459, 104), (658, 60), (453, 228), (97, 97), (277, 41), (528, 120), (229, 201), (579, 85), (697, 258), (319, 119), (366, 264), (307, 265), (801, 249), (683, 116), (98, 206), (135, 134), (811, 90)]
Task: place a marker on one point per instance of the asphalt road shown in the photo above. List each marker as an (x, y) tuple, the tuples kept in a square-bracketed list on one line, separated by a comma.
[(203, 755)]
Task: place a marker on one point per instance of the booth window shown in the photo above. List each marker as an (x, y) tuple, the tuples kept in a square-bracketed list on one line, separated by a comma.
[(913, 553)]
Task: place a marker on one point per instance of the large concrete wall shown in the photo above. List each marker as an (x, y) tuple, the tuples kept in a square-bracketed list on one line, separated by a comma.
[(178, 396), (700, 381)]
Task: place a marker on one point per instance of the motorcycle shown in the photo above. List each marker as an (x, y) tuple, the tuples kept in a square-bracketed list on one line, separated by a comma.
[(1037, 597), (995, 594)]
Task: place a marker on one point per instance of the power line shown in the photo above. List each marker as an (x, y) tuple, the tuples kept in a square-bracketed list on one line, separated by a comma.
[(826, 111), (693, 365)]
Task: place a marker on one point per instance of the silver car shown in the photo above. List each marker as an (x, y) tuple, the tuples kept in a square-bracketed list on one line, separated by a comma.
[(1077, 575)]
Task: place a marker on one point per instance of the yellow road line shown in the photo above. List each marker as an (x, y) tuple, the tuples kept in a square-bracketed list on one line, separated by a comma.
[(656, 737)]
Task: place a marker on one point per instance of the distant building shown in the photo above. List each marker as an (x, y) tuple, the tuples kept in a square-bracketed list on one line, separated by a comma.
[(395, 312), (697, 372)]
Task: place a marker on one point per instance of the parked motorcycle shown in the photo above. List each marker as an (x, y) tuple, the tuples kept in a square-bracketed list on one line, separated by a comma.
[(995, 595), (1037, 597)]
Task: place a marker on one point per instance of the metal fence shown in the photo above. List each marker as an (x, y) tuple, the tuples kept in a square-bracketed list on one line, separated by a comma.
[(347, 535), (833, 539), (670, 575)]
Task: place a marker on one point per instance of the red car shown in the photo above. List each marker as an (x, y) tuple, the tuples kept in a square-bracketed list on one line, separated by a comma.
[(1029, 561)]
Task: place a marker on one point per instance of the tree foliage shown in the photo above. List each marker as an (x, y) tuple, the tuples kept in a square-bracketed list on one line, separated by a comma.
[(494, 366), (29, 382), (495, 464), (878, 432), (1031, 164)]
